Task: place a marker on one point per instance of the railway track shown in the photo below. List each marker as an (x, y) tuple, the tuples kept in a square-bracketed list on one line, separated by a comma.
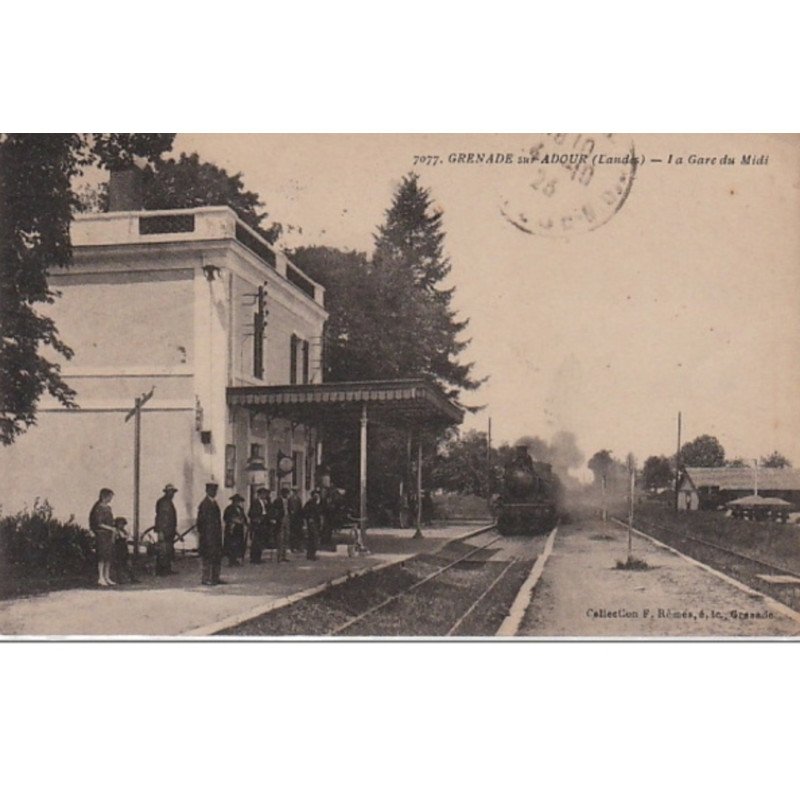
[(751, 571), (428, 579), (463, 589)]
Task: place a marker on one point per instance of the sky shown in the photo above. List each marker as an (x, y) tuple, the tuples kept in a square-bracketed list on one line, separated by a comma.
[(685, 298)]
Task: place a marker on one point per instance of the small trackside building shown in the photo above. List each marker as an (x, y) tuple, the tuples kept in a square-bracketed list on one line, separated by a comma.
[(709, 488)]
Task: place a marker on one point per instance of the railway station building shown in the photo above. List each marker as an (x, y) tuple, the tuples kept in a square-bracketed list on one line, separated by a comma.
[(709, 488), (220, 336)]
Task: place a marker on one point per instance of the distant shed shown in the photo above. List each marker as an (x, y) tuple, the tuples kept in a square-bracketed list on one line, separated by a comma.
[(713, 487)]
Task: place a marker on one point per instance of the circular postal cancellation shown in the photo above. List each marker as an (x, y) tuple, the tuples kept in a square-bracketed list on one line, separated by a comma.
[(575, 183)]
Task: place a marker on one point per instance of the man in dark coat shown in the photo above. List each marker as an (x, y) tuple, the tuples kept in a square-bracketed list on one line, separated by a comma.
[(259, 524), (331, 515), (166, 527), (279, 511), (209, 530), (312, 512), (235, 531), (295, 521)]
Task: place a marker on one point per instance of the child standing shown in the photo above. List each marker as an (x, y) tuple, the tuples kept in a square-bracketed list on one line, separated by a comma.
[(120, 559)]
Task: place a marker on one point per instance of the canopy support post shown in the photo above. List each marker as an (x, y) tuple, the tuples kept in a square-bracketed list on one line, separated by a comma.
[(363, 479), (418, 532)]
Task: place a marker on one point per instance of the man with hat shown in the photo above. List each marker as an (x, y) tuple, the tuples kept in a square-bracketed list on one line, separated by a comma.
[(166, 528), (209, 530), (235, 531)]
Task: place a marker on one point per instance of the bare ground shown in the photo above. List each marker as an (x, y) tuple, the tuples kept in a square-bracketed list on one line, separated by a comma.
[(582, 593)]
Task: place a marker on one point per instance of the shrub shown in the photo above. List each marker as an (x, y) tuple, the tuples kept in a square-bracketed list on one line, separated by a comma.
[(35, 542)]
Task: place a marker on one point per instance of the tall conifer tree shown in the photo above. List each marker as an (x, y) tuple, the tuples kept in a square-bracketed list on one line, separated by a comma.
[(411, 264)]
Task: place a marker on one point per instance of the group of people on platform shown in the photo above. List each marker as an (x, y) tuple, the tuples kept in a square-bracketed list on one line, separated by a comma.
[(282, 524)]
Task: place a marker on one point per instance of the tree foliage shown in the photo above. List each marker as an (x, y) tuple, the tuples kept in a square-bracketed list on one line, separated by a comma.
[(776, 460), (462, 465), (36, 207), (355, 346), (657, 472), (600, 464), (188, 182), (390, 317), (704, 451), (409, 263), (736, 462)]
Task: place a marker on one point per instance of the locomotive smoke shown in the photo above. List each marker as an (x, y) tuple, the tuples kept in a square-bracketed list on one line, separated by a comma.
[(562, 453)]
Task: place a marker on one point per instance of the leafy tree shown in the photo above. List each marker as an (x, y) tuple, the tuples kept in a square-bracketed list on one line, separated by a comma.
[(657, 472), (775, 459), (704, 451), (462, 465), (356, 347), (189, 182), (600, 464), (390, 318), (37, 203), (736, 462)]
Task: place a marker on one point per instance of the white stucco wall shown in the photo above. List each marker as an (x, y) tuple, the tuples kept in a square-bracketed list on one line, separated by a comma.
[(69, 456), (140, 315)]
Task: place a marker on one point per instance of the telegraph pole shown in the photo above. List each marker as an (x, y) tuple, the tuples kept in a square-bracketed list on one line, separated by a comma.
[(489, 462), (136, 413), (632, 489), (678, 462)]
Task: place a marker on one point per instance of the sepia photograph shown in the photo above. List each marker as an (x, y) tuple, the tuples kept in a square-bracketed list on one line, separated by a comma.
[(362, 437), (505, 386)]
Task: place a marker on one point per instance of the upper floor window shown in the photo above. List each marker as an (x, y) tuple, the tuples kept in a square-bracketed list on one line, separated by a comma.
[(293, 359), (299, 360)]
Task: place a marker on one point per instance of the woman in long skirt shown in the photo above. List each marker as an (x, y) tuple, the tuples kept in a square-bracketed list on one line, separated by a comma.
[(235, 521)]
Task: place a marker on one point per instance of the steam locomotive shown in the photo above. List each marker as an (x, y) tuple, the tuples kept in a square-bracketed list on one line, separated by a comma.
[(530, 499)]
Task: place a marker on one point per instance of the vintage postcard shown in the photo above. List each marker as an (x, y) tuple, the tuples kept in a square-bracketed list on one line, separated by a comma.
[(384, 385)]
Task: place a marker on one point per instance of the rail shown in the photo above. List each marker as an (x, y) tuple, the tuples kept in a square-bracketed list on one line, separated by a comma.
[(344, 626), (721, 548)]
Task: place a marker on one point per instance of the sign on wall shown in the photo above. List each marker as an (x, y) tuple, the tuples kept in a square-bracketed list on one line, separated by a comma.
[(230, 465)]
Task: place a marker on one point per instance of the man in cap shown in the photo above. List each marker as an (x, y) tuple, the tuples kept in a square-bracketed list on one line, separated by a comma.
[(209, 530), (166, 527)]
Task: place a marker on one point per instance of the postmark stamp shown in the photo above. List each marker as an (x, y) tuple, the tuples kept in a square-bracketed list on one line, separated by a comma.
[(576, 183)]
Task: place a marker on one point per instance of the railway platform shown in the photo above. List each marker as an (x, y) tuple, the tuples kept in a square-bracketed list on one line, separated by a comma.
[(582, 593), (178, 605)]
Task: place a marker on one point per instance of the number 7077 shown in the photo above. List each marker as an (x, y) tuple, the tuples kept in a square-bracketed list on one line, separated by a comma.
[(427, 161)]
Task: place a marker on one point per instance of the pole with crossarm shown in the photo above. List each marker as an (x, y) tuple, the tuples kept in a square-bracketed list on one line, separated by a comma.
[(136, 413)]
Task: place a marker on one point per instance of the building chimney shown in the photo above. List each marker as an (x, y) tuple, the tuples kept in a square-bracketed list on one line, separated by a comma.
[(125, 192)]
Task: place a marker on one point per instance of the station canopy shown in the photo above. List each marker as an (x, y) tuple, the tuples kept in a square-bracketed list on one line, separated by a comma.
[(759, 500), (407, 402)]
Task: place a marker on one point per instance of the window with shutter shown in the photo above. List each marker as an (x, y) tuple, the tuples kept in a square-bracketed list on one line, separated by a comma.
[(293, 359)]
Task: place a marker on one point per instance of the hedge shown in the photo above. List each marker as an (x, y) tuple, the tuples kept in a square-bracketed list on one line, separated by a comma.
[(36, 543)]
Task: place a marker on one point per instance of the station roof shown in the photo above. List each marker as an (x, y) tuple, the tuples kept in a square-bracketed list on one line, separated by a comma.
[(738, 478), (407, 401)]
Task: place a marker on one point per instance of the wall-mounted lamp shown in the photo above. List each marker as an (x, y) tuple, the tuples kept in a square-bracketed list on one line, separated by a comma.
[(205, 437), (211, 272)]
